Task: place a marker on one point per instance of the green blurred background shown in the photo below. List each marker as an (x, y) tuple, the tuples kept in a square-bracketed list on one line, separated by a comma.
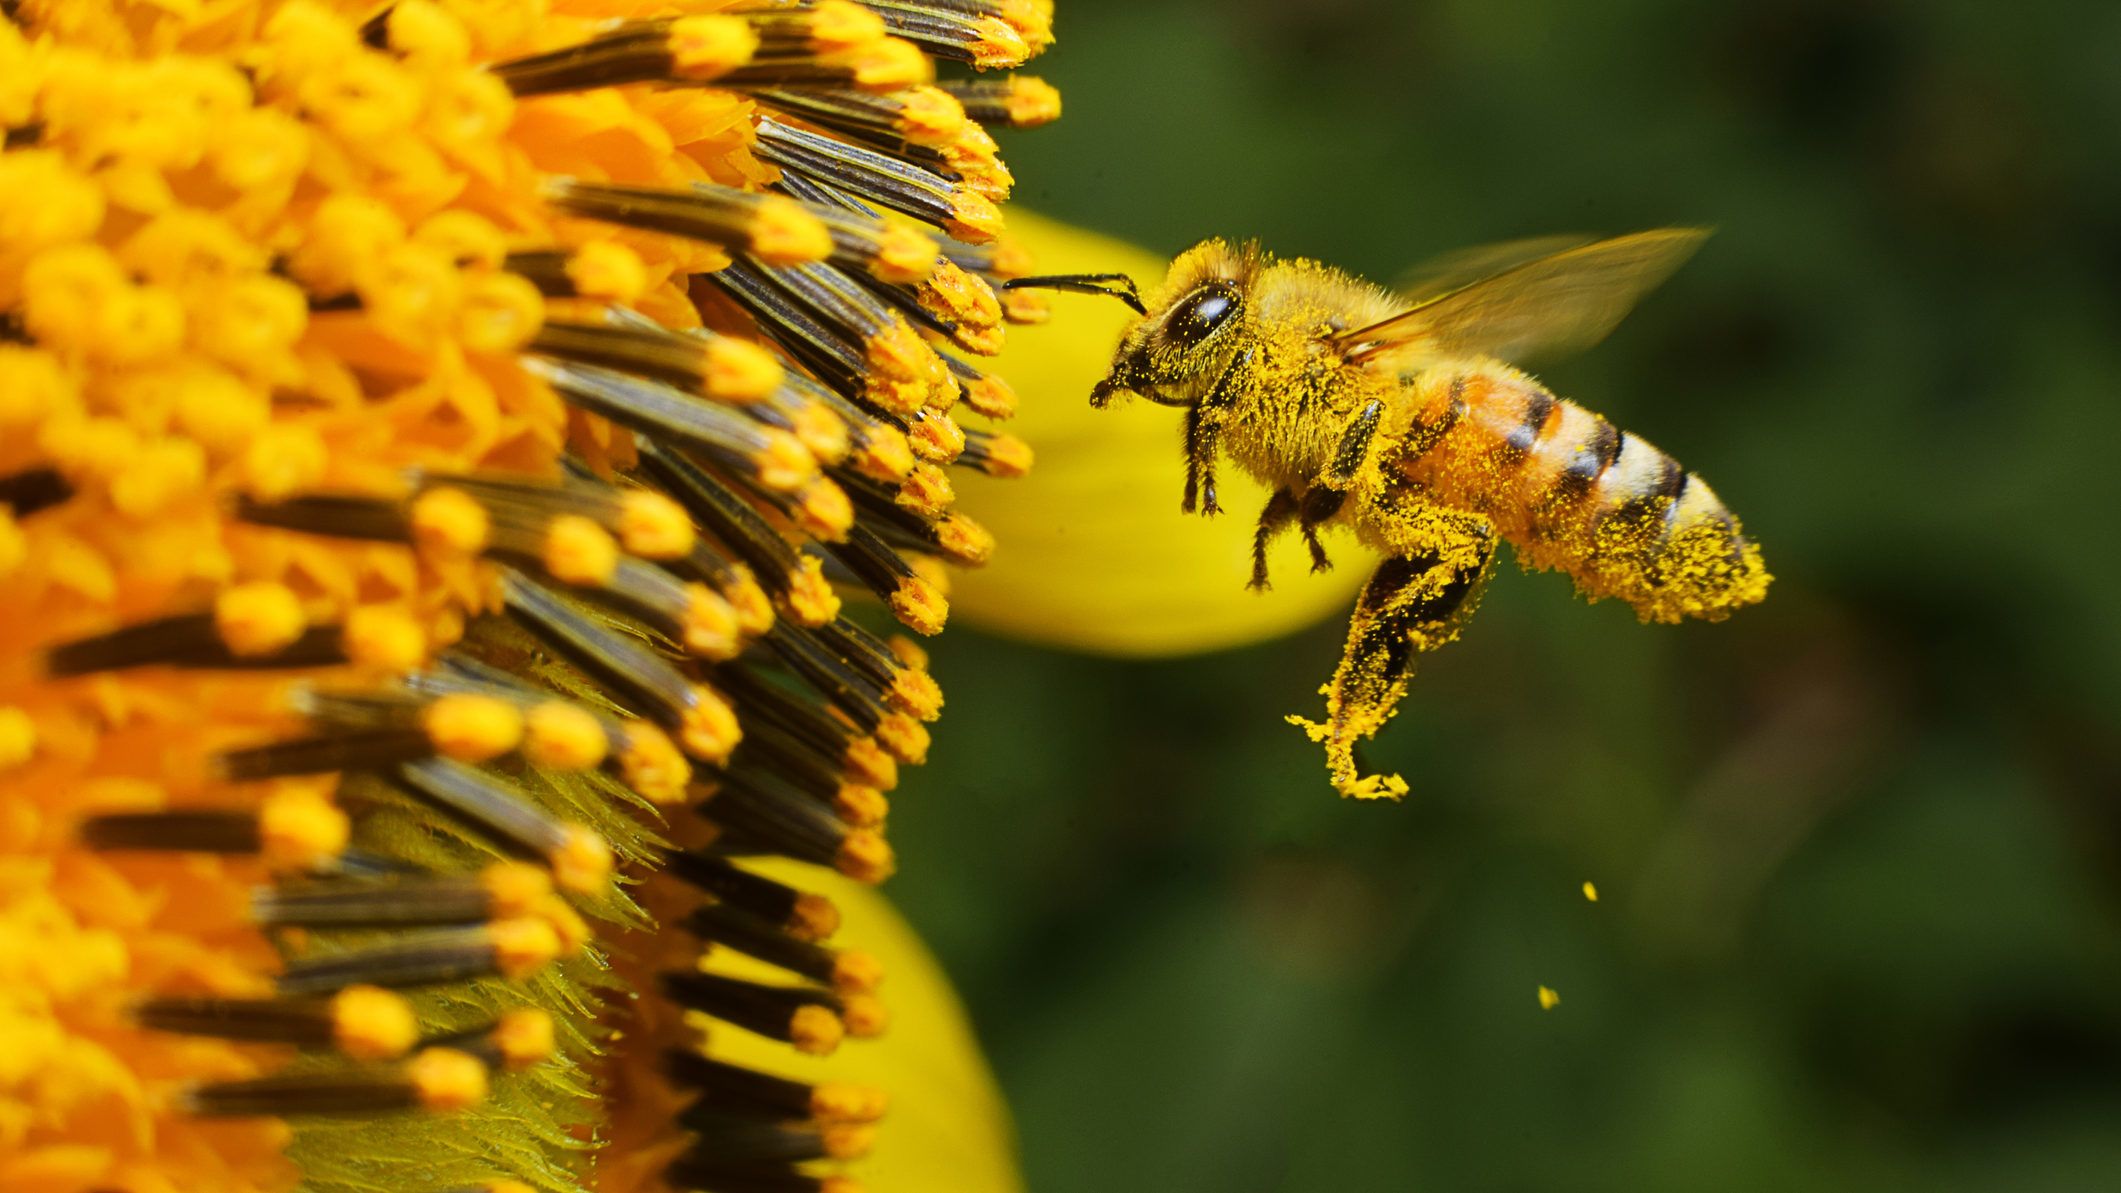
[(1859, 850)]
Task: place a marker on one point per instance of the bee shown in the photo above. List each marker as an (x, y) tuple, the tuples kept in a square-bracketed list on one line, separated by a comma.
[(1399, 417)]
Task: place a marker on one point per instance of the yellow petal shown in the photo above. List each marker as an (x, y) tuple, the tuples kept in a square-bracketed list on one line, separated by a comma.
[(946, 1127), (1095, 555)]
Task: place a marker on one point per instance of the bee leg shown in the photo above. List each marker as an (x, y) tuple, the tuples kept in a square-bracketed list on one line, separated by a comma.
[(1203, 426), (1281, 509), (1320, 504), (1330, 491), (1411, 604)]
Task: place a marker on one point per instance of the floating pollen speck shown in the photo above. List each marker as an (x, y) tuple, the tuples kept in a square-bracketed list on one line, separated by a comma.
[(1548, 999), (453, 460), (1590, 892)]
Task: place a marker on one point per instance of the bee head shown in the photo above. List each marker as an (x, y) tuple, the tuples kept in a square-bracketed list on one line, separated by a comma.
[(1187, 334), (1173, 353)]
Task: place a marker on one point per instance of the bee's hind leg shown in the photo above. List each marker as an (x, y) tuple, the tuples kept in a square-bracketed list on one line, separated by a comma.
[(1411, 604)]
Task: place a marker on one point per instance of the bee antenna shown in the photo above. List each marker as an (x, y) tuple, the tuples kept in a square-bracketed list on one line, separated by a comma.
[(1111, 285)]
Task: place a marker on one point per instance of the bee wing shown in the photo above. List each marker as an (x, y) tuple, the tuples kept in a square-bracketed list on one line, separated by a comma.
[(1558, 301), (1441, 274)]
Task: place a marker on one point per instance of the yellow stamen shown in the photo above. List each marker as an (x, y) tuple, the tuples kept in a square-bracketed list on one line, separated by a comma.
[(258, 619), (299, 827), (471, 728), (372, 1024), (445, 1079), (578, 551), (782, 233)]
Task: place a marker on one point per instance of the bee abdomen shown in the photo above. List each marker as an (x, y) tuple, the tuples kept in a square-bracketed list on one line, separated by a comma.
[(1571, 491)]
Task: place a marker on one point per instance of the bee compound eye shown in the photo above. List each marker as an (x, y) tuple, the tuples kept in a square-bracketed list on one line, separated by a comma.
[(1201, 313)]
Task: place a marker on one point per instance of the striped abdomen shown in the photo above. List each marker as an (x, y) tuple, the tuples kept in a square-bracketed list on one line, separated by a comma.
[(1571, 491)]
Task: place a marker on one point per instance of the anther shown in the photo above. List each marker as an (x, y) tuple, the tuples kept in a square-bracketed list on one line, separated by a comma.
[(512, 949), (1019, 101), (690, 49), (503, 890), (739, 931), (294, 829), (693, 1171), (738, 1143), (517, 1040), (803, 916), (438, 1079), (799, 1015), (775, 229), (950, 31), (700, 718), (579, 858), (716, 366), (996, 453), (735, 1090), (361, 1022), (770, 457), (882, 179)]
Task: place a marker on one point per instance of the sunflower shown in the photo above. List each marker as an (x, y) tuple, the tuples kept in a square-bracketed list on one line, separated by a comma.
[(437, 441)]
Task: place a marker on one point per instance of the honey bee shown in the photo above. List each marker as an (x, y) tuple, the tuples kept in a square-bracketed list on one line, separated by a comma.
[(1398, 417)]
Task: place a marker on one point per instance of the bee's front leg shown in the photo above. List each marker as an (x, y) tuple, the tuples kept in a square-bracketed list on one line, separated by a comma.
[(1204, 424), (1202, 428), (1412, 604)]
